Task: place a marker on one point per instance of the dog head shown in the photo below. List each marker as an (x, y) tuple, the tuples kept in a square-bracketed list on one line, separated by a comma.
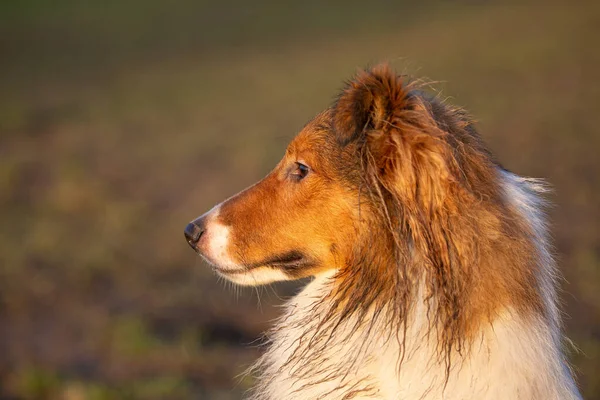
[(379, 144)]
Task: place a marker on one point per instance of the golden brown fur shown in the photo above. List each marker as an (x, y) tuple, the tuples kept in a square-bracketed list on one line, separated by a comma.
[(438, 189), (429, 187), (393, 193)]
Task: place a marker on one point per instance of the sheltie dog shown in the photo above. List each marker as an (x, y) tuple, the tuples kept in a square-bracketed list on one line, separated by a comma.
[(432, 275)]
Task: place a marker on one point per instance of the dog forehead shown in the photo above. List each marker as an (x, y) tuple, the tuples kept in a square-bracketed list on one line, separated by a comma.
[(315, 136)]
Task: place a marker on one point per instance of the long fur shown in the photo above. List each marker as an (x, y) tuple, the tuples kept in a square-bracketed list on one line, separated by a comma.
[(317, 352), (449, 290)]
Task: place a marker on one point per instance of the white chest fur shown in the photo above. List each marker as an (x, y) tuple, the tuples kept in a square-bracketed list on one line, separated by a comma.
[(515, 359)]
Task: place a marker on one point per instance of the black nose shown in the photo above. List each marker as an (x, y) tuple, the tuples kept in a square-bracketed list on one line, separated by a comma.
[(192, 233)]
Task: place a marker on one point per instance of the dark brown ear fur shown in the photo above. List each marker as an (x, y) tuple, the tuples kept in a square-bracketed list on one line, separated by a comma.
[(379, 109), (367, 102), (441, 194)]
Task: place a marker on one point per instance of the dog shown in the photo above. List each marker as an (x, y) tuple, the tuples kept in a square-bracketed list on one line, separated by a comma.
[(431, 272)]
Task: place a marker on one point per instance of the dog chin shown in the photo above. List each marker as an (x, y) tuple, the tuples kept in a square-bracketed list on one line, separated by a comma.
[(254, 277)]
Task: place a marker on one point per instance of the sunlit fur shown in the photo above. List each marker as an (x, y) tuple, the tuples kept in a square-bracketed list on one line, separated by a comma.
[(432, 274)]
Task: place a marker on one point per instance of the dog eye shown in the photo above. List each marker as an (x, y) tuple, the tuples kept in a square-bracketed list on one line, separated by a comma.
[(300, 171)]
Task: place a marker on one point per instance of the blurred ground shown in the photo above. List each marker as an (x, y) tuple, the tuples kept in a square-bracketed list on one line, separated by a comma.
[(121, 121)]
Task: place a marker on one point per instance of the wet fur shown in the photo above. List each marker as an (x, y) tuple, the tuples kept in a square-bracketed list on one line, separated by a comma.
[(442, 285)]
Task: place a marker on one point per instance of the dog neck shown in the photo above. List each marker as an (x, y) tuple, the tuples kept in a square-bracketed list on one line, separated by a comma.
[(317, 350)]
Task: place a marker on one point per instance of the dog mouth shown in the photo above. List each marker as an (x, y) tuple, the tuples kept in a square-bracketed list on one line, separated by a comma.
[(288, 262)]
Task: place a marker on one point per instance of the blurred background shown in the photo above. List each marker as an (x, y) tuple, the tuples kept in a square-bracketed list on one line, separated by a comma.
[(120, 121)]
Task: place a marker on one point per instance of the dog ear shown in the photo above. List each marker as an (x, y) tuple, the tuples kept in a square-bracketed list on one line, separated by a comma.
[(405, 145), (366, 102)]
